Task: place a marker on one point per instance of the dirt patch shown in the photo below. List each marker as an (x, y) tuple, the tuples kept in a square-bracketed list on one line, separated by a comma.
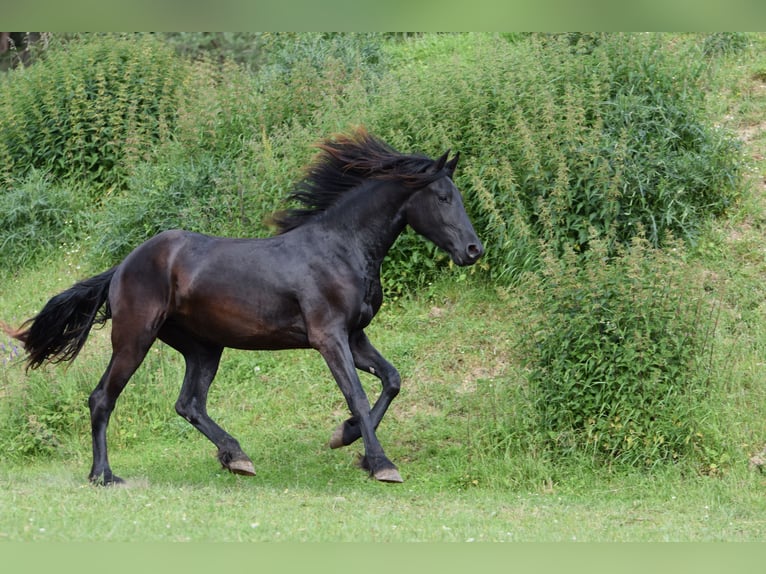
[(752, 137), (748, 134)]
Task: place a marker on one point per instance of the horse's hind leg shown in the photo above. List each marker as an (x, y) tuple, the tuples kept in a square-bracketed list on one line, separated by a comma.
[(201, 366), (124, 362)]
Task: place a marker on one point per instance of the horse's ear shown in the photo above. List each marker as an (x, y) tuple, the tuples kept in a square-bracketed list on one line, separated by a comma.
[(441, 161), (452, 164)]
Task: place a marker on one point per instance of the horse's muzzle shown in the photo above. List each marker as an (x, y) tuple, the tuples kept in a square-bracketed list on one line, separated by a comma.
[(471, 254)]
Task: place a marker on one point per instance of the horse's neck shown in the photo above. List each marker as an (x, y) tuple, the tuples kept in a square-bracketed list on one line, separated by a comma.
[(371, 219)]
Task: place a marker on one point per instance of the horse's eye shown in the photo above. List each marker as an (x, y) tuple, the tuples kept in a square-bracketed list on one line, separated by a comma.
[(444, 198)]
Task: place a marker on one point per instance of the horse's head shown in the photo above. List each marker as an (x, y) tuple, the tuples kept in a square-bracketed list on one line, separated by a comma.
[(437, 213)]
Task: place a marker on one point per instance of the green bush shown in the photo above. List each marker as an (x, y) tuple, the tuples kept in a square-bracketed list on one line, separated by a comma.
[(245, 48), (724, 43), (38, 215), (608, 133), (42, 416), (157, 198), (559, 134), (617, 350), (239, 144), (90, 110)]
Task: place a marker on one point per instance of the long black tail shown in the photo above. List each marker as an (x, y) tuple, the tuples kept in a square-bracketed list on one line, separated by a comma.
[(58, 332)]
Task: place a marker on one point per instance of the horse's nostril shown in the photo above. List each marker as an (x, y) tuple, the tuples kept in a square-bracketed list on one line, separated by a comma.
[(474, 250)]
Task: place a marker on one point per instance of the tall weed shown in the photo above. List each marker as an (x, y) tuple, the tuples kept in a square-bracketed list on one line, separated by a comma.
[(617, 348), (90, 109), (240, 141), (159, 197), (560, 136), (38, 215)]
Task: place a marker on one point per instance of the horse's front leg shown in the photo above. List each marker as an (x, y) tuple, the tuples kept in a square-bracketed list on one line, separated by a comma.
[(337, 353), (367, 358)]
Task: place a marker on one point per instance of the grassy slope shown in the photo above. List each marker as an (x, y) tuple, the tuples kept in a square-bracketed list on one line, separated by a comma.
[(283, 406), (454, 350)]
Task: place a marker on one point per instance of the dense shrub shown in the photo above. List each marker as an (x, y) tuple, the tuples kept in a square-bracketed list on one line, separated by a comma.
[(558, 134), (616, 348), (560, 138), (280, 51), (245, 48), (724, 43), (90, 109), (240, 142), (157, 198), (38, 215)]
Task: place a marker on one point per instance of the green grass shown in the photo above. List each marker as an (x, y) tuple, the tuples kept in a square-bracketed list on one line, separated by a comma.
[(189, 500), (454, 351)]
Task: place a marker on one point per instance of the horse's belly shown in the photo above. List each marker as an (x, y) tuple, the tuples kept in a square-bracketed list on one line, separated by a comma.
[(232, 324)]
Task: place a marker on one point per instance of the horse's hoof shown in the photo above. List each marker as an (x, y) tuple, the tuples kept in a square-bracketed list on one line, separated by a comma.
[(388, 475), (242, 466), (336, 440), (104, 481)]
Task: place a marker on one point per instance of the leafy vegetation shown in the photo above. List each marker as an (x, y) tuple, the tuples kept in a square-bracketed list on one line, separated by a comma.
[(560, 135), (89, 112), (618, 352), (38, 216)]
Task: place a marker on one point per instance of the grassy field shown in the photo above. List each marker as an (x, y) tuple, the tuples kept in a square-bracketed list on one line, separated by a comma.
[(283, 406), (51, 503), (456, 345)]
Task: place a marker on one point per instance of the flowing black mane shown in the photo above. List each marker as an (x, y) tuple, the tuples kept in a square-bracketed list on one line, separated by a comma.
[(344, 163)]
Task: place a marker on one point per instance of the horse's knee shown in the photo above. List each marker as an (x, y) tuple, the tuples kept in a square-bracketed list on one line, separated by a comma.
[(393, 383)]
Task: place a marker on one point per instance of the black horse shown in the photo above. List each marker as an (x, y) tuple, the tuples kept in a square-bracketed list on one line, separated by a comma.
[(315, 284)]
